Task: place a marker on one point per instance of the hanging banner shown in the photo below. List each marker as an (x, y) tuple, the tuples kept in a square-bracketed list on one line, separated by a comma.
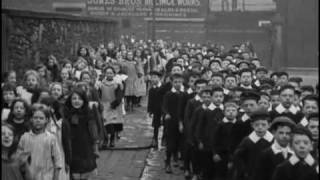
[(143, 8)]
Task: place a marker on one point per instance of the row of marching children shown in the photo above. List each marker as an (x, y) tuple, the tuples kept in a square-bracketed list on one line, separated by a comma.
[(229, 128)]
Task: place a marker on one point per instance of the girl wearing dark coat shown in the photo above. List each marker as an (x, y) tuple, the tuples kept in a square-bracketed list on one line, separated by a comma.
[(84, 136)]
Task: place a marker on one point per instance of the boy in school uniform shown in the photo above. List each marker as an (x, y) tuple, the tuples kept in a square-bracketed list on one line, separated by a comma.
[(313, 127), (286, 106), (173, 121), (191, 91), (223, 144), (155, 105), (309, 105), (206, 97), (205, 131), (192, 104), (249, 104), (247, 154), (246, 78), (301, 165), (279, 151)]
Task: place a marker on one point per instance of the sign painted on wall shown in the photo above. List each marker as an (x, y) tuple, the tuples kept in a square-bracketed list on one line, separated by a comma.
[(143, 8)]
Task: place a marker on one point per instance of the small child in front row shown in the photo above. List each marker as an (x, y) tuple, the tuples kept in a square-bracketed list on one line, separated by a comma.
[(14, 166), (247, 153), (224, 145), (301, 165), (46, 161)]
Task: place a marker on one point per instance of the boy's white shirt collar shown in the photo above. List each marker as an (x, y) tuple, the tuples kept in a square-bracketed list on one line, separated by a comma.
[(197, 98), (276, 148), (255, 138), (174, 90), (245, 117), (213, 107), (304, 122), (246, 87), (226, 91), (294, 160), (225, 120), (189, 91), (270, 108), (257, 83), (280, 109)]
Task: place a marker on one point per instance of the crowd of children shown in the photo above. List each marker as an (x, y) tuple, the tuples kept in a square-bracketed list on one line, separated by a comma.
[(224, 116)]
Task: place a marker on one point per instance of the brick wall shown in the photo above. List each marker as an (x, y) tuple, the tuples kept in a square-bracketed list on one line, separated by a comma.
[(30, 37)]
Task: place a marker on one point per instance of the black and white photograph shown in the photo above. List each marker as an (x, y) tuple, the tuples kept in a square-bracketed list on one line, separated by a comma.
[(160, 89)]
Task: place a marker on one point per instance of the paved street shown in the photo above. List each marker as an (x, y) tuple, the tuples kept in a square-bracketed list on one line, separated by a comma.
[(132, 159)]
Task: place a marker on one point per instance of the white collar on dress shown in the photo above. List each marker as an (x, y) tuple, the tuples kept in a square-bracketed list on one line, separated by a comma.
[(276, 148), (304, 122), (213, 107), (174, 90), (226, 91), (255, 138), (280, 109), (294, 160), (225, 120)]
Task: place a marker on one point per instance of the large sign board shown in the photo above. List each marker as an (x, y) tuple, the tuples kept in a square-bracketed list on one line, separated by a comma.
[(143, 8), (242, 5)]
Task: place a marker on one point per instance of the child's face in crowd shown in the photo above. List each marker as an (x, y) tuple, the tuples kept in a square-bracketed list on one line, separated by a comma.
[(176, 70), (230, 83), (86, 78), (39, 120), (230, 112), (310, 107), (177, 83), (301, 145), (68, 66), (283, 80), (56, 91), (305, 93), (215, 67), (217, 97), (264, 102), (191, 82), (236, 95), (7, 137), (8, 96), (232, 67), (313, 127), (249, 106), (32, 82), (42, 72), (216, 81), (180, 61), (130, 56), (260, 127), (243, 66), (261, 75), (116, 68), (275, 100), (200, 86), (64, 74), (76, 101), (225, 64), (83, 52), (282, 135), (206, 97), (12, 78), (155, 79), (109, 74), (246, 78), (205, 62), (19, 110), (99, 64), (82, 65), (287, 97)]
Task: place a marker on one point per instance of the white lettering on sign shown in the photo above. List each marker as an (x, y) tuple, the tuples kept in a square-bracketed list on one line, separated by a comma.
[(101, 2), (189, 2), (165, 3)]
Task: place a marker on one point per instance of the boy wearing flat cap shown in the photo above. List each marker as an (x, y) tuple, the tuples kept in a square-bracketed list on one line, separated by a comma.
[(301, 165), (279, 151), (247, 154)]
